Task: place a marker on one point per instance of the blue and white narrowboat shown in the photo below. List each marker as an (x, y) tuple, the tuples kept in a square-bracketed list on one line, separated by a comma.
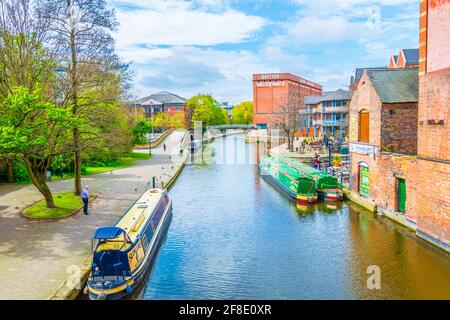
[(123, 253)]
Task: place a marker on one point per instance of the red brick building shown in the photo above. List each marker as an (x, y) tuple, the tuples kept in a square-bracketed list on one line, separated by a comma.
[(383, 142), (271, 90), (433, 156), (401, 151), (406, 58), (166, 102)]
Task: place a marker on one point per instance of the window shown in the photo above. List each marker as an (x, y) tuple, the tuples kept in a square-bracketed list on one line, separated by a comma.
[(364, 122)]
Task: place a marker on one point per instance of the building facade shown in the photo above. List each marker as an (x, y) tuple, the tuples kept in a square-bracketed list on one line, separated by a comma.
[(433, 156), (406, 58), (383, 142), (161, 102), (354, 80), (326, 114), (271, 91)]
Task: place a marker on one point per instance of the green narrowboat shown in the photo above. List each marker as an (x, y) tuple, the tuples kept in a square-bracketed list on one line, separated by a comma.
[(327, 186), (296, 184)]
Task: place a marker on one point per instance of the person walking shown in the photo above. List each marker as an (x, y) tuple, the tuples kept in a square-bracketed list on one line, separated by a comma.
[(85, 198)]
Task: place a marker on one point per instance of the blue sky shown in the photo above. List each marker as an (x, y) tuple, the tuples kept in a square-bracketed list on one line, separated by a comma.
[(214, 46)]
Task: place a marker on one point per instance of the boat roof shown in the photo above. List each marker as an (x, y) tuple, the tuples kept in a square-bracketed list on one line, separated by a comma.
[(108, 233), (283, 167), (318, 176), (139, 214), (304, 167)]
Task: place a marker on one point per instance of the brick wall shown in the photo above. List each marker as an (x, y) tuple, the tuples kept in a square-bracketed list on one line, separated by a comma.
[(434, 115), (365, 97), (433, 198), (269, 94), (399, 128), (384, 169), (433, 201)]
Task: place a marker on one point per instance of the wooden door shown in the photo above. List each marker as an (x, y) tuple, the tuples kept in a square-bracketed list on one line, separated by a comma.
[(363, 134)]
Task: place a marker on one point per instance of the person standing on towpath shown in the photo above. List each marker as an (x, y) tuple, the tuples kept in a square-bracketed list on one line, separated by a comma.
[(85, 198)]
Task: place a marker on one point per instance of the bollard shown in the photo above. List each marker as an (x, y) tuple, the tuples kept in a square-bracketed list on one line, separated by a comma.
[(154, 182)]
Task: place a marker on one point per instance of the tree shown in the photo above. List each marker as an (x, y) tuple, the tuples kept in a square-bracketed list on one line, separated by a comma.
[(140, 132), (243, 113), (226, 116), (288, 118), (204, 108), (34, 131), (162, 120), (23, 60), (82, 33)]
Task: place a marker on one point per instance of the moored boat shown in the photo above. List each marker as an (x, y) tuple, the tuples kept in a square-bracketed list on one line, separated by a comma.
[(294, 183), (123, 253), (327, 186)]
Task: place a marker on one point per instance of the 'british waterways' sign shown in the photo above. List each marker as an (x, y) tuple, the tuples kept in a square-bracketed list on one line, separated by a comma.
[(363, 148)]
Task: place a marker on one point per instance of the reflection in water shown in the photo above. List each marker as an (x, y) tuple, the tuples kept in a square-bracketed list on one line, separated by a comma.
[(235, 236)]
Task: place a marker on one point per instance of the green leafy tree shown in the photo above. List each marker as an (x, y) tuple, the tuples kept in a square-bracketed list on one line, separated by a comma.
[(243, 113), (204, 108), (34, 130), (23, 59), (82, 29), (162, 120), (140, 132)]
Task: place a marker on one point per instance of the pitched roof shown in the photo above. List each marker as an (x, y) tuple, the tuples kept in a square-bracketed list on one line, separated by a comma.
[(395, 58), (336, 95), (312, 99), (395, 85), (161, 97), (411, 56), (329, 96), (359, 71)]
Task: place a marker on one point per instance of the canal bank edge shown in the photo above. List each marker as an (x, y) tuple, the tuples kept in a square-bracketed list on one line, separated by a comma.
[(67, 292), (157, 142), (396, 217)]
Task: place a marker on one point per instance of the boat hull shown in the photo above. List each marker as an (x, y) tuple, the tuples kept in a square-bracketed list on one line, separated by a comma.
[(330, 195), (130, 288), (292, 194)]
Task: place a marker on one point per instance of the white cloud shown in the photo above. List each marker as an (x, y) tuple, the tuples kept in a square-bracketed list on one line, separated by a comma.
[(322, 30), (175, 23)]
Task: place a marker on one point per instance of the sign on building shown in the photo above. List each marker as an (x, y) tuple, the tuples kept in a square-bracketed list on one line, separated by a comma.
[(363, 148)]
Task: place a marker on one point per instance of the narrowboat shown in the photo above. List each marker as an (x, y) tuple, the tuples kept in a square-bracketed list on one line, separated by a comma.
[(123, 253), (327, 186), (294, 183)]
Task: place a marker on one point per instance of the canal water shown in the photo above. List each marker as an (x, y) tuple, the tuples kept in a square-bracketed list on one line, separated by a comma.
[(235, 236)]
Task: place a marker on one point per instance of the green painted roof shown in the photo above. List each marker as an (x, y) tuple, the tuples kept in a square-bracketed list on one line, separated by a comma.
[(396, 85), (287, 169)]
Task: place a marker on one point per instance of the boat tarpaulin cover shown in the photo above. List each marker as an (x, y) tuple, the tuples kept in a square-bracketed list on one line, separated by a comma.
[(108, 233)]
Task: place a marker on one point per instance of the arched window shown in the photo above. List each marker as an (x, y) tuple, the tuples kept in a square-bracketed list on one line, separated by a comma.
[(364, 123)]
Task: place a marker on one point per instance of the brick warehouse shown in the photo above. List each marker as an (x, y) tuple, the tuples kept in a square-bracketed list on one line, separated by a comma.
[(400, 152), (383, 141), (271, 90), (433, 156)]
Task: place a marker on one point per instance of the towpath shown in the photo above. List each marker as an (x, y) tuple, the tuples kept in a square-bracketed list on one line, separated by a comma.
[(35, 255)]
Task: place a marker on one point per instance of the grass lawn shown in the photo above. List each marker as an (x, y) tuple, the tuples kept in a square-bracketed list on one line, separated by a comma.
[(126, 161), (66, 204)]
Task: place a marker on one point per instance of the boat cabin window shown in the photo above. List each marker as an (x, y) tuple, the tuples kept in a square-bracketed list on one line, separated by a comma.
[(120, 243)]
